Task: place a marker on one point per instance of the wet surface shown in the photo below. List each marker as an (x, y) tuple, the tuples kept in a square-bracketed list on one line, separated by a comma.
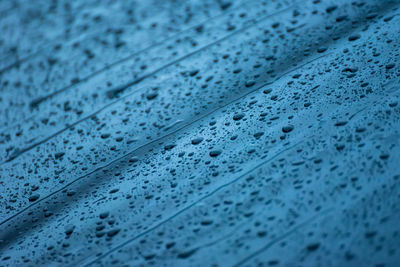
[(200, 133)]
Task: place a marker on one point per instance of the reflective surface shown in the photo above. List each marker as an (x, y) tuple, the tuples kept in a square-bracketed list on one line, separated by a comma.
[(199, 133)]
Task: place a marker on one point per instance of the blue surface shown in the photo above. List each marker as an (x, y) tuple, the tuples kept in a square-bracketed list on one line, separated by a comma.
[(199, 133)]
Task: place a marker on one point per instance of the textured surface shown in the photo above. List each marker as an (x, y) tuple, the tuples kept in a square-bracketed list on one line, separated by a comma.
[(202, 132)]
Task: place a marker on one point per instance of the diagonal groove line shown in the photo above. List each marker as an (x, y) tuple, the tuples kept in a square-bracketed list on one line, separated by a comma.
[(17, 63), (154, 141), (21, 151), (120, 89), (193, 203), (217, 240), (225, 236), (283, 236)]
